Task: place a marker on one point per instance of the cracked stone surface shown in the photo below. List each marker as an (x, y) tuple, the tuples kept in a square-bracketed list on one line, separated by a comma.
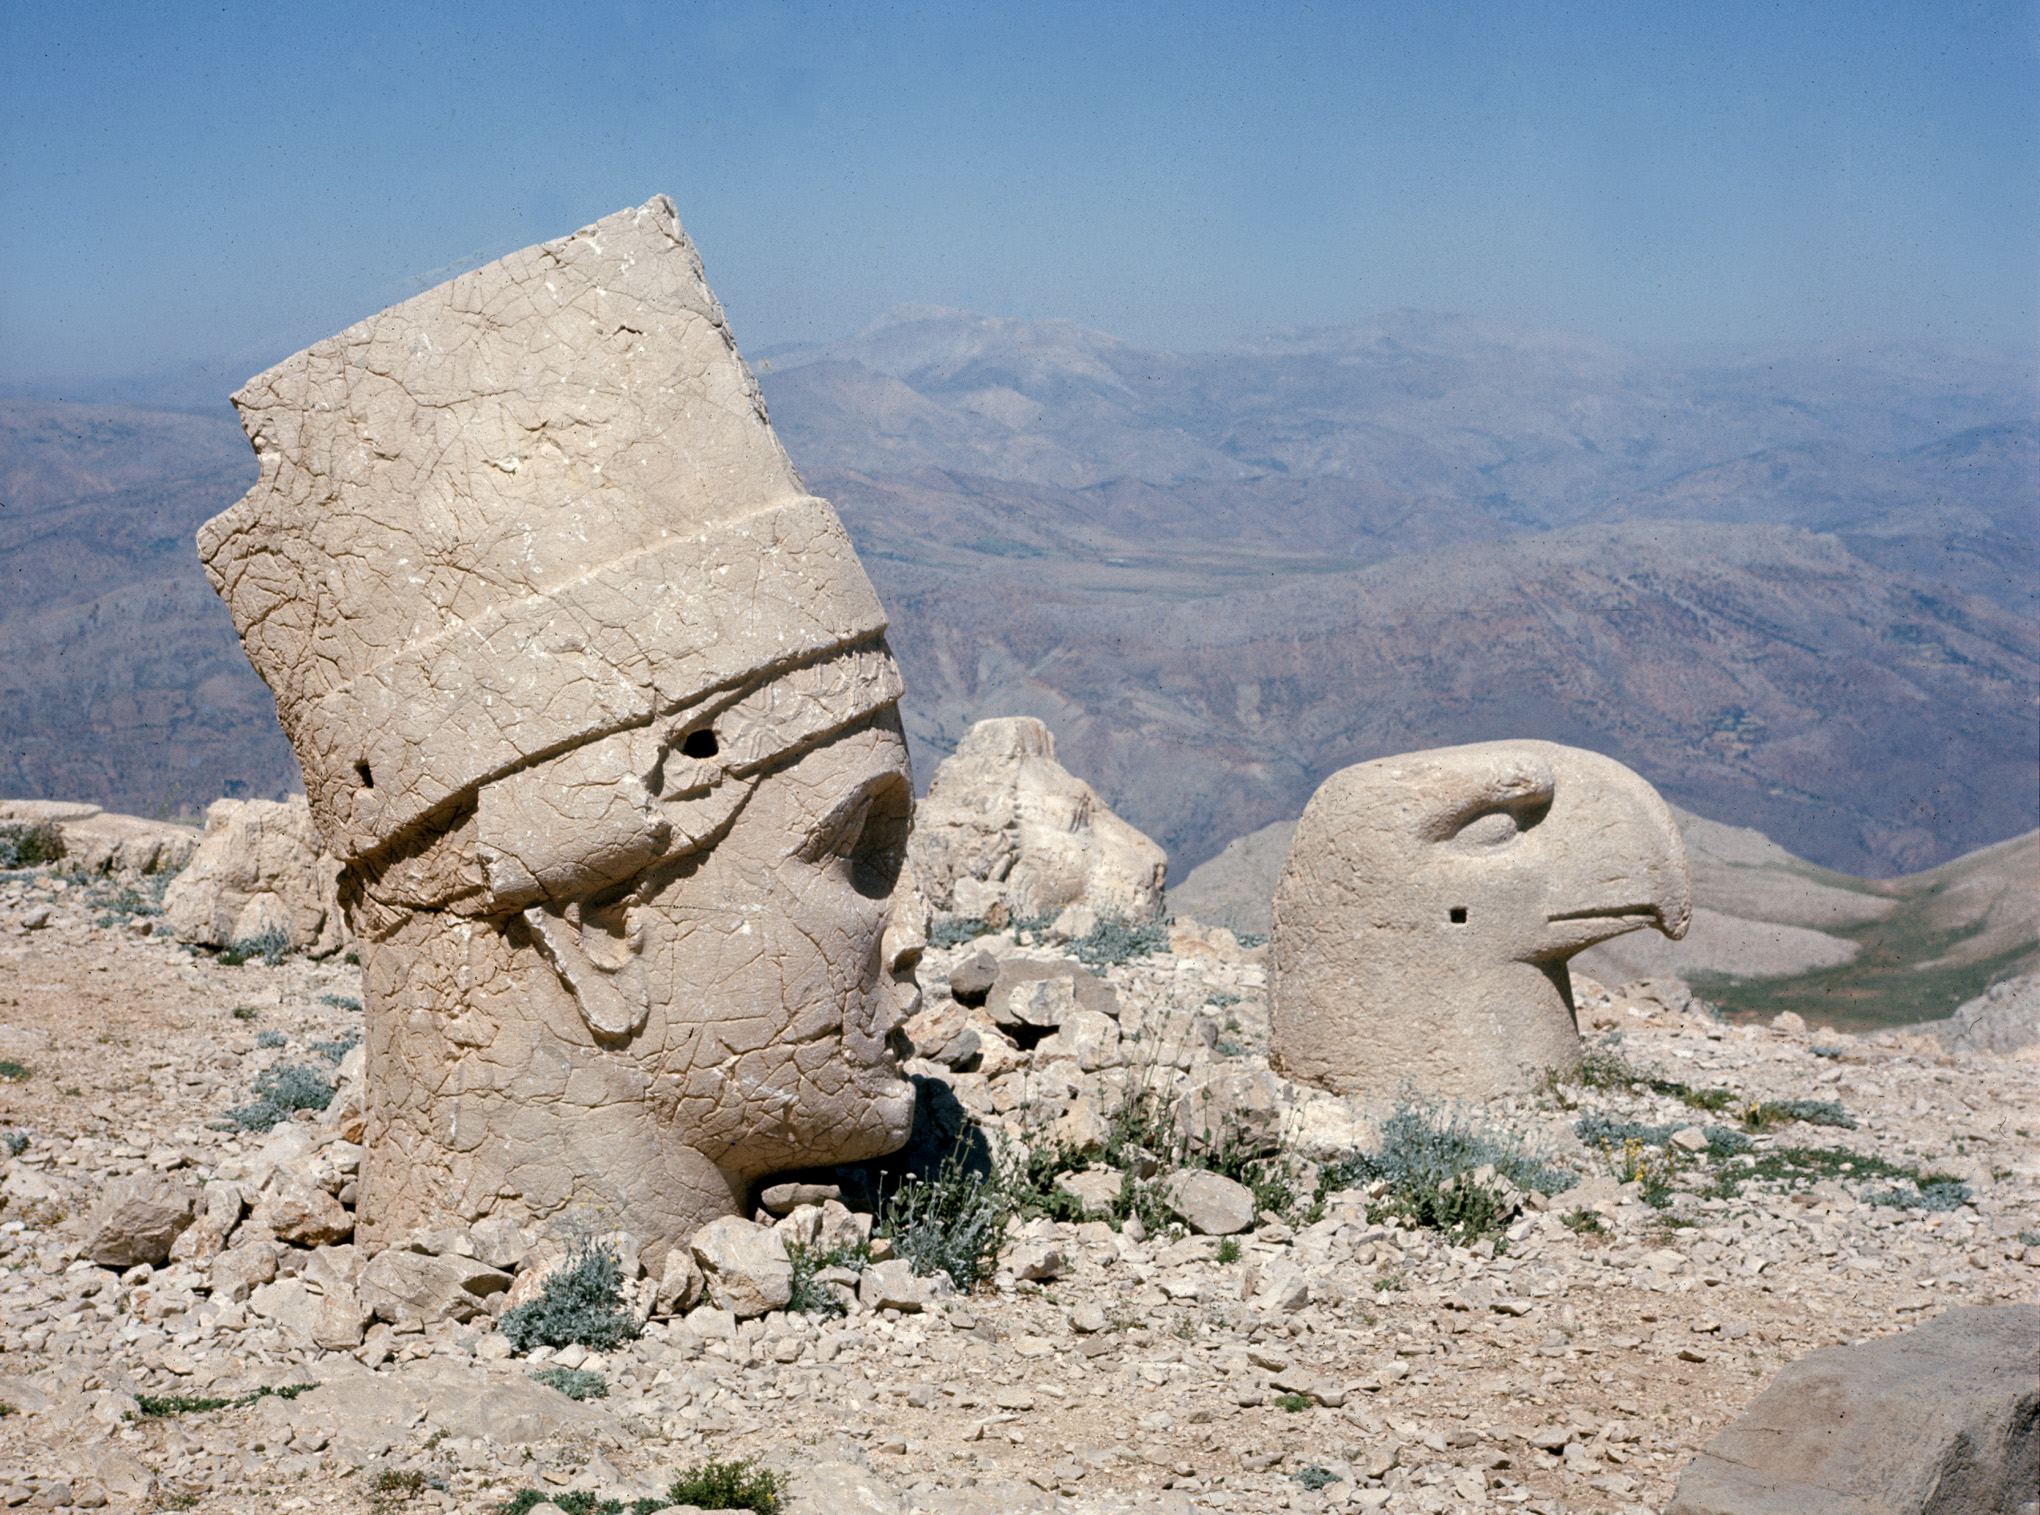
[(594, 705), (1429, 904)]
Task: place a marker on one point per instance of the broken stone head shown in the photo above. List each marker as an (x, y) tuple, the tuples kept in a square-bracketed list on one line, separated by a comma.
[(594, 702), (1430, 902)]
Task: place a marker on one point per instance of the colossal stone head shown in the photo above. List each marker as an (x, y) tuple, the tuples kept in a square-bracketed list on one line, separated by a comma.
[(1429, 903), (594, 703)]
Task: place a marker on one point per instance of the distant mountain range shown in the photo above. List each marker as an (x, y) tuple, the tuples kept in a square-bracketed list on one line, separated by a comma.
[(1796, 590)]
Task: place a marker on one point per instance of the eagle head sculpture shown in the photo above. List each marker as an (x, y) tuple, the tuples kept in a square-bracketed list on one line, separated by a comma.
[(1429, 903)]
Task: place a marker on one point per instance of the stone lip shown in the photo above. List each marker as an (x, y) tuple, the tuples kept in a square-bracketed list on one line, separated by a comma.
[(1944, 1418)]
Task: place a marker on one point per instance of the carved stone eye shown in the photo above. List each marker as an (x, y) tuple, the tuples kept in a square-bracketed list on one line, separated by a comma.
[(1494, 829)]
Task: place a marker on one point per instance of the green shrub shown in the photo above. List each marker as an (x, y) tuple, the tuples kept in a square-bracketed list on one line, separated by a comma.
[(809, 1297), (270, 1039), (14, 1072), (335, 1052), (951, 1223), (341, 1002), (281, 1091), (1430, 1159), (272, 946), (1295, 1404), (1112, 942), (580, 1303), (151, 1405), (244, 1012), (29, 844), (1585, 1223), (718, 1485), (955, 930), (573, 1383), (1315, 1478), (1815, 1112), (16, 1142), (1229, 1250)]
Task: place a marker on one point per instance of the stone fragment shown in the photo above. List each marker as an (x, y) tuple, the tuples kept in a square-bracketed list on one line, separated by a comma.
[(297, 1210), (1933, 1421), (894, 1286), (400, 1285), (1429, 903), (1097, 1188), (238, 1271), (1088, 1319), (501, 1243), (1088, 1039), (1692, 1138), (971, 980), (744, 1266), (643, 677), (1039, 1260), (680, 1283), (218, 1211), (1039, 996), (781, 1198), (260, 870), (137, 1220), (1234, 1107), (1209, 1203), (1005, 826)]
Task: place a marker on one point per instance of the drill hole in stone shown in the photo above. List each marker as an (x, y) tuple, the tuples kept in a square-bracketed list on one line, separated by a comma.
[(1457, 915), (699, 744), (366, 774)]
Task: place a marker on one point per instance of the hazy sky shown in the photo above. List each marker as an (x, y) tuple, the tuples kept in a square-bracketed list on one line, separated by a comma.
[(226, 183)]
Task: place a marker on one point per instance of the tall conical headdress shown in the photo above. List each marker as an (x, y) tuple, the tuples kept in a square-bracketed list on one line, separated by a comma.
[(532, 507)]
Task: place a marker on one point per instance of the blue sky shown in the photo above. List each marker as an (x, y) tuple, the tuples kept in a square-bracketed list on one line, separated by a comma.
[(191, 183)]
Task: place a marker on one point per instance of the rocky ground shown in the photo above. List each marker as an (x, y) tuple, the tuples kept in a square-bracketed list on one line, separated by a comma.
[(1322, 1360)]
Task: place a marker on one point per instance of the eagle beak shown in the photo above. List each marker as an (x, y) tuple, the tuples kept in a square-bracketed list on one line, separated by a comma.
[(1624, 867)]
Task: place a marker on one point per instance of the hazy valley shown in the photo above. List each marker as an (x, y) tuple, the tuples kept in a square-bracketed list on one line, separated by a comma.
[(1795, 591)]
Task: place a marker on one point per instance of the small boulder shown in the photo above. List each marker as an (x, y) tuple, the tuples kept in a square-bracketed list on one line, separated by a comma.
[(259, 869), (1209, 1203), (1097, 1188), (242, 1268), (1041, 996), (894, 1286), (137, 1220), (680, 1284), (297, 1209), (1088, 1039), (400, 1285), (781, 1199), (744, 1266), (971, 980)]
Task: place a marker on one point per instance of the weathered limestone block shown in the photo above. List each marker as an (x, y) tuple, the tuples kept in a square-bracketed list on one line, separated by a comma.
[(137, 1220), (596, 713), (101, 841), (1088, 1039), (1429, 903), (894, 1286), (260, 869), (744, 1266), (1209, 1203), (296, 1209), (1939, 1420), (399, 1285), (1005, 826), (1041, 996)]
